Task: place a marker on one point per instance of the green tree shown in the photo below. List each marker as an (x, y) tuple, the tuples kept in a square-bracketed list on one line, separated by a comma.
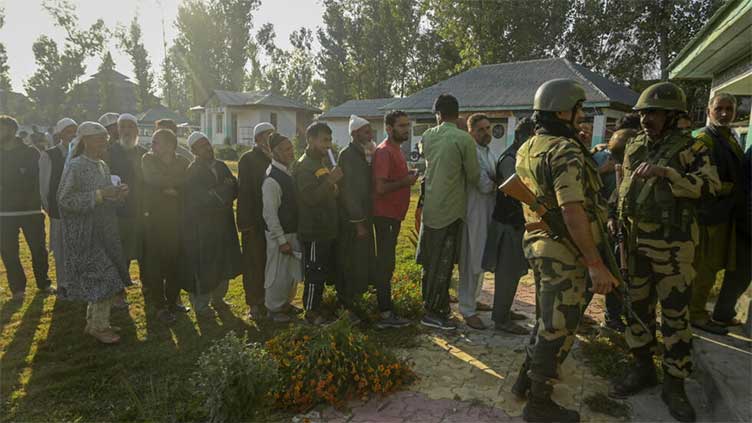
[(175, 86), (132, 43), (57, 71), (214, 42), (332, 59), (5, 83), (107, 91)]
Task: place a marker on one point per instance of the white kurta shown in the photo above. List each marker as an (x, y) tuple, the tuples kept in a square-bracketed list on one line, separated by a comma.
[(282, 271), (481, 200)]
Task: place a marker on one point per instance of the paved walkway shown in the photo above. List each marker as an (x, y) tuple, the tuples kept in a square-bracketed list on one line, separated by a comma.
[(466, 376)]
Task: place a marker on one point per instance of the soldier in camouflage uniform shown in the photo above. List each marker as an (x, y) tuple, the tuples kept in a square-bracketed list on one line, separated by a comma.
[(665, 172), (559, 170)]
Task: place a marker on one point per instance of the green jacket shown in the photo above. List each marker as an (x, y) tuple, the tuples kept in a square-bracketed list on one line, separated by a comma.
[(317, 199)]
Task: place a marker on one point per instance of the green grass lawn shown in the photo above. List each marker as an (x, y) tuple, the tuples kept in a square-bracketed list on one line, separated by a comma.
[(51, 371)]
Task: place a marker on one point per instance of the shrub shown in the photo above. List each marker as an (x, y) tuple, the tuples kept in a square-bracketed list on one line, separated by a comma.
[(235, 379), (333, 364)]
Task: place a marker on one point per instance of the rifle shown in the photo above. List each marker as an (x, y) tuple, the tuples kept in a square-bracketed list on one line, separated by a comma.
[(623, 265), (553, 222)]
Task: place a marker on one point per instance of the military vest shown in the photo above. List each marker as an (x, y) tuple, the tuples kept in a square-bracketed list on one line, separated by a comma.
[(651, 200), (536, 172)]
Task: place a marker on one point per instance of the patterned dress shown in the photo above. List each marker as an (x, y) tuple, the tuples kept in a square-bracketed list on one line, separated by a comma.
[(94, 260)]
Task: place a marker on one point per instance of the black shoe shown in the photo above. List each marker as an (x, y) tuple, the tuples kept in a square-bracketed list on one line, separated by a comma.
[(541, 408), (615, 325), (522, 384), (437, 323), (710, 326), (642, 375), (180, 308), (676, 399)]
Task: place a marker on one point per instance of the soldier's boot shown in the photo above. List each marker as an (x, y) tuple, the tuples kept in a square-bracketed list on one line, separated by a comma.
[(522, 384), (676, 399), (642, 375), (541, 408)]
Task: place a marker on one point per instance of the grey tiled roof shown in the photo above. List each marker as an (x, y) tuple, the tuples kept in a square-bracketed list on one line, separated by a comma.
[(362, 108), (160, 112), (260, 98), (512, 86)]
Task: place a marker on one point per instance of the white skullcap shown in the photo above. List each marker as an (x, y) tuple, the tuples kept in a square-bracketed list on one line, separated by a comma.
[(127, 116), (108, 119), (262, 127), (196, 137), (90, 128), (357, 122), (64, 123)]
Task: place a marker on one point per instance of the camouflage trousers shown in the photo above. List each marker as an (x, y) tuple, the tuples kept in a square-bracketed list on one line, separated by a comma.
[(561, 298), (661, 270)]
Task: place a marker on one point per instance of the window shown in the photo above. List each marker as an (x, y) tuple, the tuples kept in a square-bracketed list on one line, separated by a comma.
[(273, 119), (220, 123)]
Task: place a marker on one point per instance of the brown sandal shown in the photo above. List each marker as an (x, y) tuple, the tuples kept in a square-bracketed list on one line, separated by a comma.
[(105, 336)]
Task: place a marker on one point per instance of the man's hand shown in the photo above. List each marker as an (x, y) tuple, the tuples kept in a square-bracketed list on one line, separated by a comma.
[(361, 230), (286, 248), (646, 170), (110, 192), (602, 279), (335, 175)]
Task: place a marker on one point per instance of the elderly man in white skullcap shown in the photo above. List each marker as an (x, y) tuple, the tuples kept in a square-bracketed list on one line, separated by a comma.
[(51, 165), (124, 159), (355, 239), (212, 250), (251, 173), (110, 122), (95, 267)]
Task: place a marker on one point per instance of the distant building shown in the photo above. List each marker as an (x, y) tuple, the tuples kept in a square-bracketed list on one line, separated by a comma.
[(87, 96), (228, 117), (338, 118), (14, 104), (147, 119), (505, 93), (721, 53)]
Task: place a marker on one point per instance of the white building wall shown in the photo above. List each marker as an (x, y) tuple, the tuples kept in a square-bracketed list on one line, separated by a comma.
[(247, 119)]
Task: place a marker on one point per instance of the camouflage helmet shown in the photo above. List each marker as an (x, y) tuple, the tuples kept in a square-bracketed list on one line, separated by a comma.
[(662, 96), (558, 95)]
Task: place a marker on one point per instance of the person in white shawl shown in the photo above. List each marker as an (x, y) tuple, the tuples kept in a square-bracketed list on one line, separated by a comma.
[(283, 250), (480, 204)]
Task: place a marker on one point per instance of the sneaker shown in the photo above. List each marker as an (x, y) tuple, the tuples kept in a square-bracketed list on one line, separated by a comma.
[(710, 327), (437, 323), (391, 320), (511, 327), (180, 308)]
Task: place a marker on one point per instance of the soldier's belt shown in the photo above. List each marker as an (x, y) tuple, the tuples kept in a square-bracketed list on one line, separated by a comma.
[(537, 226)]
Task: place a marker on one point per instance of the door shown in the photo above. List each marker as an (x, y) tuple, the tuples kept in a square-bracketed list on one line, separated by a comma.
[(234, 128)]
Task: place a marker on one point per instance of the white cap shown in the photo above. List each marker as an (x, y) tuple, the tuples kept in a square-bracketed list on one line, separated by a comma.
[(127, 117), (108, 119), (196, 137), (262, 127), (357, 122), (64, 123), (90, 128)]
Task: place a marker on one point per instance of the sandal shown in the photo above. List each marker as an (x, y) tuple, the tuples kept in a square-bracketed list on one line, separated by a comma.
[(105, 336)]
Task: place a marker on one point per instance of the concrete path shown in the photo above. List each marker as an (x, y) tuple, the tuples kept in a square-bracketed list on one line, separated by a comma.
[(466, 376)]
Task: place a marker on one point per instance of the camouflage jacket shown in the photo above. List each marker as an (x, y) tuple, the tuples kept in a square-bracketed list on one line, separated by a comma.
[(670, 201), (559, 170)]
